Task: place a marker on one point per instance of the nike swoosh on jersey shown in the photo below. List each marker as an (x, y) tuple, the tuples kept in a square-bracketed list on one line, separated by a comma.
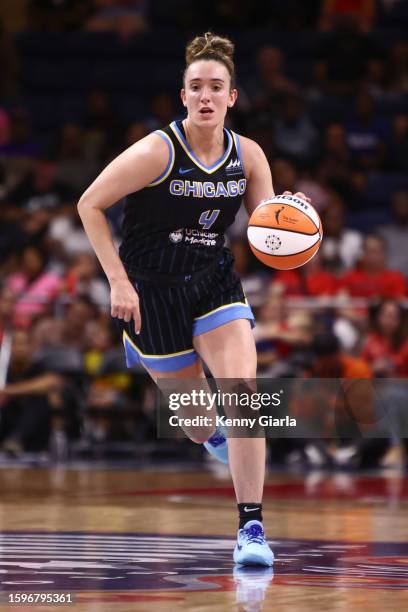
[(250, 509), (185, 170)]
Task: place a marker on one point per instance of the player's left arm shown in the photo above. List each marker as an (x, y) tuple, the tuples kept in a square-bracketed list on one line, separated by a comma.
[(258, 175)]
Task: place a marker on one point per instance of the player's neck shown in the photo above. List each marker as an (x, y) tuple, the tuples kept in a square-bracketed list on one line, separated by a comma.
[(207, 141)]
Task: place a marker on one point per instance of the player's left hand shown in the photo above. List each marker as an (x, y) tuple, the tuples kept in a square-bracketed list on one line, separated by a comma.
[(298, 194)]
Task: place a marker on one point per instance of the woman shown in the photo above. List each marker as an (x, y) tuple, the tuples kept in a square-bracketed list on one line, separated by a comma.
[(386, 345), (173, 276), (34, 284)]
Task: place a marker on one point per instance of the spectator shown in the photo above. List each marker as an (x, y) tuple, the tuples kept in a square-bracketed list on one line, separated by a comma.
[(104, 129), (362, 12), (34, 284), (330, 362), (99, 340), (82, 280), (395, 234), (344, 55), (67, 236), (270, 83), (39, 191), (76, 168), (278, 335), (78, 315), (371, 278), (108, 389), (126, 17), (163, 111), (367, 135), (334, 165), (380, 83), (22, 143), (253, 282), (26, 400), (386, 345), (135, 131), (341, 246), (342, 408), (47, 332), (295, 135), (398, 66), (386, 350), (285, 176), (309, 280), (397, 151)]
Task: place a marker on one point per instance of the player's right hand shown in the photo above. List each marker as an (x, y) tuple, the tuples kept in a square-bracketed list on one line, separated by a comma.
[(125, 303)]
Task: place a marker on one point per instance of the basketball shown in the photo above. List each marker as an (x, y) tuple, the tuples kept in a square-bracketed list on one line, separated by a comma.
[(284, 232)]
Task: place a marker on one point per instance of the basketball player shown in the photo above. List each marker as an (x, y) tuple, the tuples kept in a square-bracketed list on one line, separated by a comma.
[(172, 285)]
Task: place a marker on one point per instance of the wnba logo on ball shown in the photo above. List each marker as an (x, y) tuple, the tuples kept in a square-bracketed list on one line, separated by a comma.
[(278, 212)]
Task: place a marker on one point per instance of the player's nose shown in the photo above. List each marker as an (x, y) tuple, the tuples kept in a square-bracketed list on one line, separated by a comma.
[(205, 94)]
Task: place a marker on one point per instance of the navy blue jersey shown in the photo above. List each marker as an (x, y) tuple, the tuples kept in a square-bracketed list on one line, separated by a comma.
[(176, 224)]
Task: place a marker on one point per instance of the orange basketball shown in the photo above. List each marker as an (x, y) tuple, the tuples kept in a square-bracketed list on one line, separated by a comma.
[(285, 232)]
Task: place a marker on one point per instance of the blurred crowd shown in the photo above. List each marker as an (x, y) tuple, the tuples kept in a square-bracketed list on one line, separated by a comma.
[(327, 100)]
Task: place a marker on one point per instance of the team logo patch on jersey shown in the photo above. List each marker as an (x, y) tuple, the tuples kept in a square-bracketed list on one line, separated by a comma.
[(234, 167), (176, 236)]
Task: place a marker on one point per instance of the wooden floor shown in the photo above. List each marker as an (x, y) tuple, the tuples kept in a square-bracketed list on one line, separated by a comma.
[(160, 540)]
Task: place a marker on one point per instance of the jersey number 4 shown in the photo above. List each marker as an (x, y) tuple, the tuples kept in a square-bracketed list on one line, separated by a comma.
[(207, 218)]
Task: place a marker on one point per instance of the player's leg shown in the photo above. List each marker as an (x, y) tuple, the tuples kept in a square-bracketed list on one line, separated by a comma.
[(195, 379), (229, 352), (184, 380)]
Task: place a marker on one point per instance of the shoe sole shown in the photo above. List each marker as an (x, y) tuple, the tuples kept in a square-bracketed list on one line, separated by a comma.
[(252, 559)]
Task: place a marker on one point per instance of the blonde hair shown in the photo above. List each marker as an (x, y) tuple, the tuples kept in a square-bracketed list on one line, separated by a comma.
[(210, 46)]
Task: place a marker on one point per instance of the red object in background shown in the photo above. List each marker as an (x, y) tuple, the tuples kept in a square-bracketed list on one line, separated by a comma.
[(349, 6), (377, 347), (385, 284), (71, 282), (315, 283)]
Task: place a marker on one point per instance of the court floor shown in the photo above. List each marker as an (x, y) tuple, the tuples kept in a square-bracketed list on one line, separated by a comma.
[(133, 539)]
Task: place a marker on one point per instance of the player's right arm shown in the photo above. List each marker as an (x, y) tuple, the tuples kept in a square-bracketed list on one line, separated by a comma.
[(132, 170)]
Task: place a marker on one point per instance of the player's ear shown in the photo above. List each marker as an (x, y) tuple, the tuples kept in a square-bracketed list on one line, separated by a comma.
[(183, 97), (232, 98)]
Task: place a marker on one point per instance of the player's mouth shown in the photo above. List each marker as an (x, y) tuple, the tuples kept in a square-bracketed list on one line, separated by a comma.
[(206, 111)]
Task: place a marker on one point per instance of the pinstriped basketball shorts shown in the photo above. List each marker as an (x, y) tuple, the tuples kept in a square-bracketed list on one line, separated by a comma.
[(173, 315)]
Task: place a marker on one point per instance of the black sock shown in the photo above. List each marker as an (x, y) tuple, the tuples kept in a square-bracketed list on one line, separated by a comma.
[(249, 512)]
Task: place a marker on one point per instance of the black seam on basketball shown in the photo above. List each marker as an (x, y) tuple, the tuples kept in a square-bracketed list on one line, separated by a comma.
[(290, 206), (281, 229), (291, 255)]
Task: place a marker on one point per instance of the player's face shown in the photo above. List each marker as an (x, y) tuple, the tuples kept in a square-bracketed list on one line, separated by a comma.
[(207, 92)]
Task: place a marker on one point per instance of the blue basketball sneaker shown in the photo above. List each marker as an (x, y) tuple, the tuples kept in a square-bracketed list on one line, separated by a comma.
[(217, 445), (252, 547)]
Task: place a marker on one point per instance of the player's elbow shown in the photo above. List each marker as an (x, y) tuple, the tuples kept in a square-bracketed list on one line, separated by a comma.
[(86, 203), (82, 204)]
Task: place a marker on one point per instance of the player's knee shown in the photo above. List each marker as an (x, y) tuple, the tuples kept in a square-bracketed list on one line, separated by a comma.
[(199, 437)]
